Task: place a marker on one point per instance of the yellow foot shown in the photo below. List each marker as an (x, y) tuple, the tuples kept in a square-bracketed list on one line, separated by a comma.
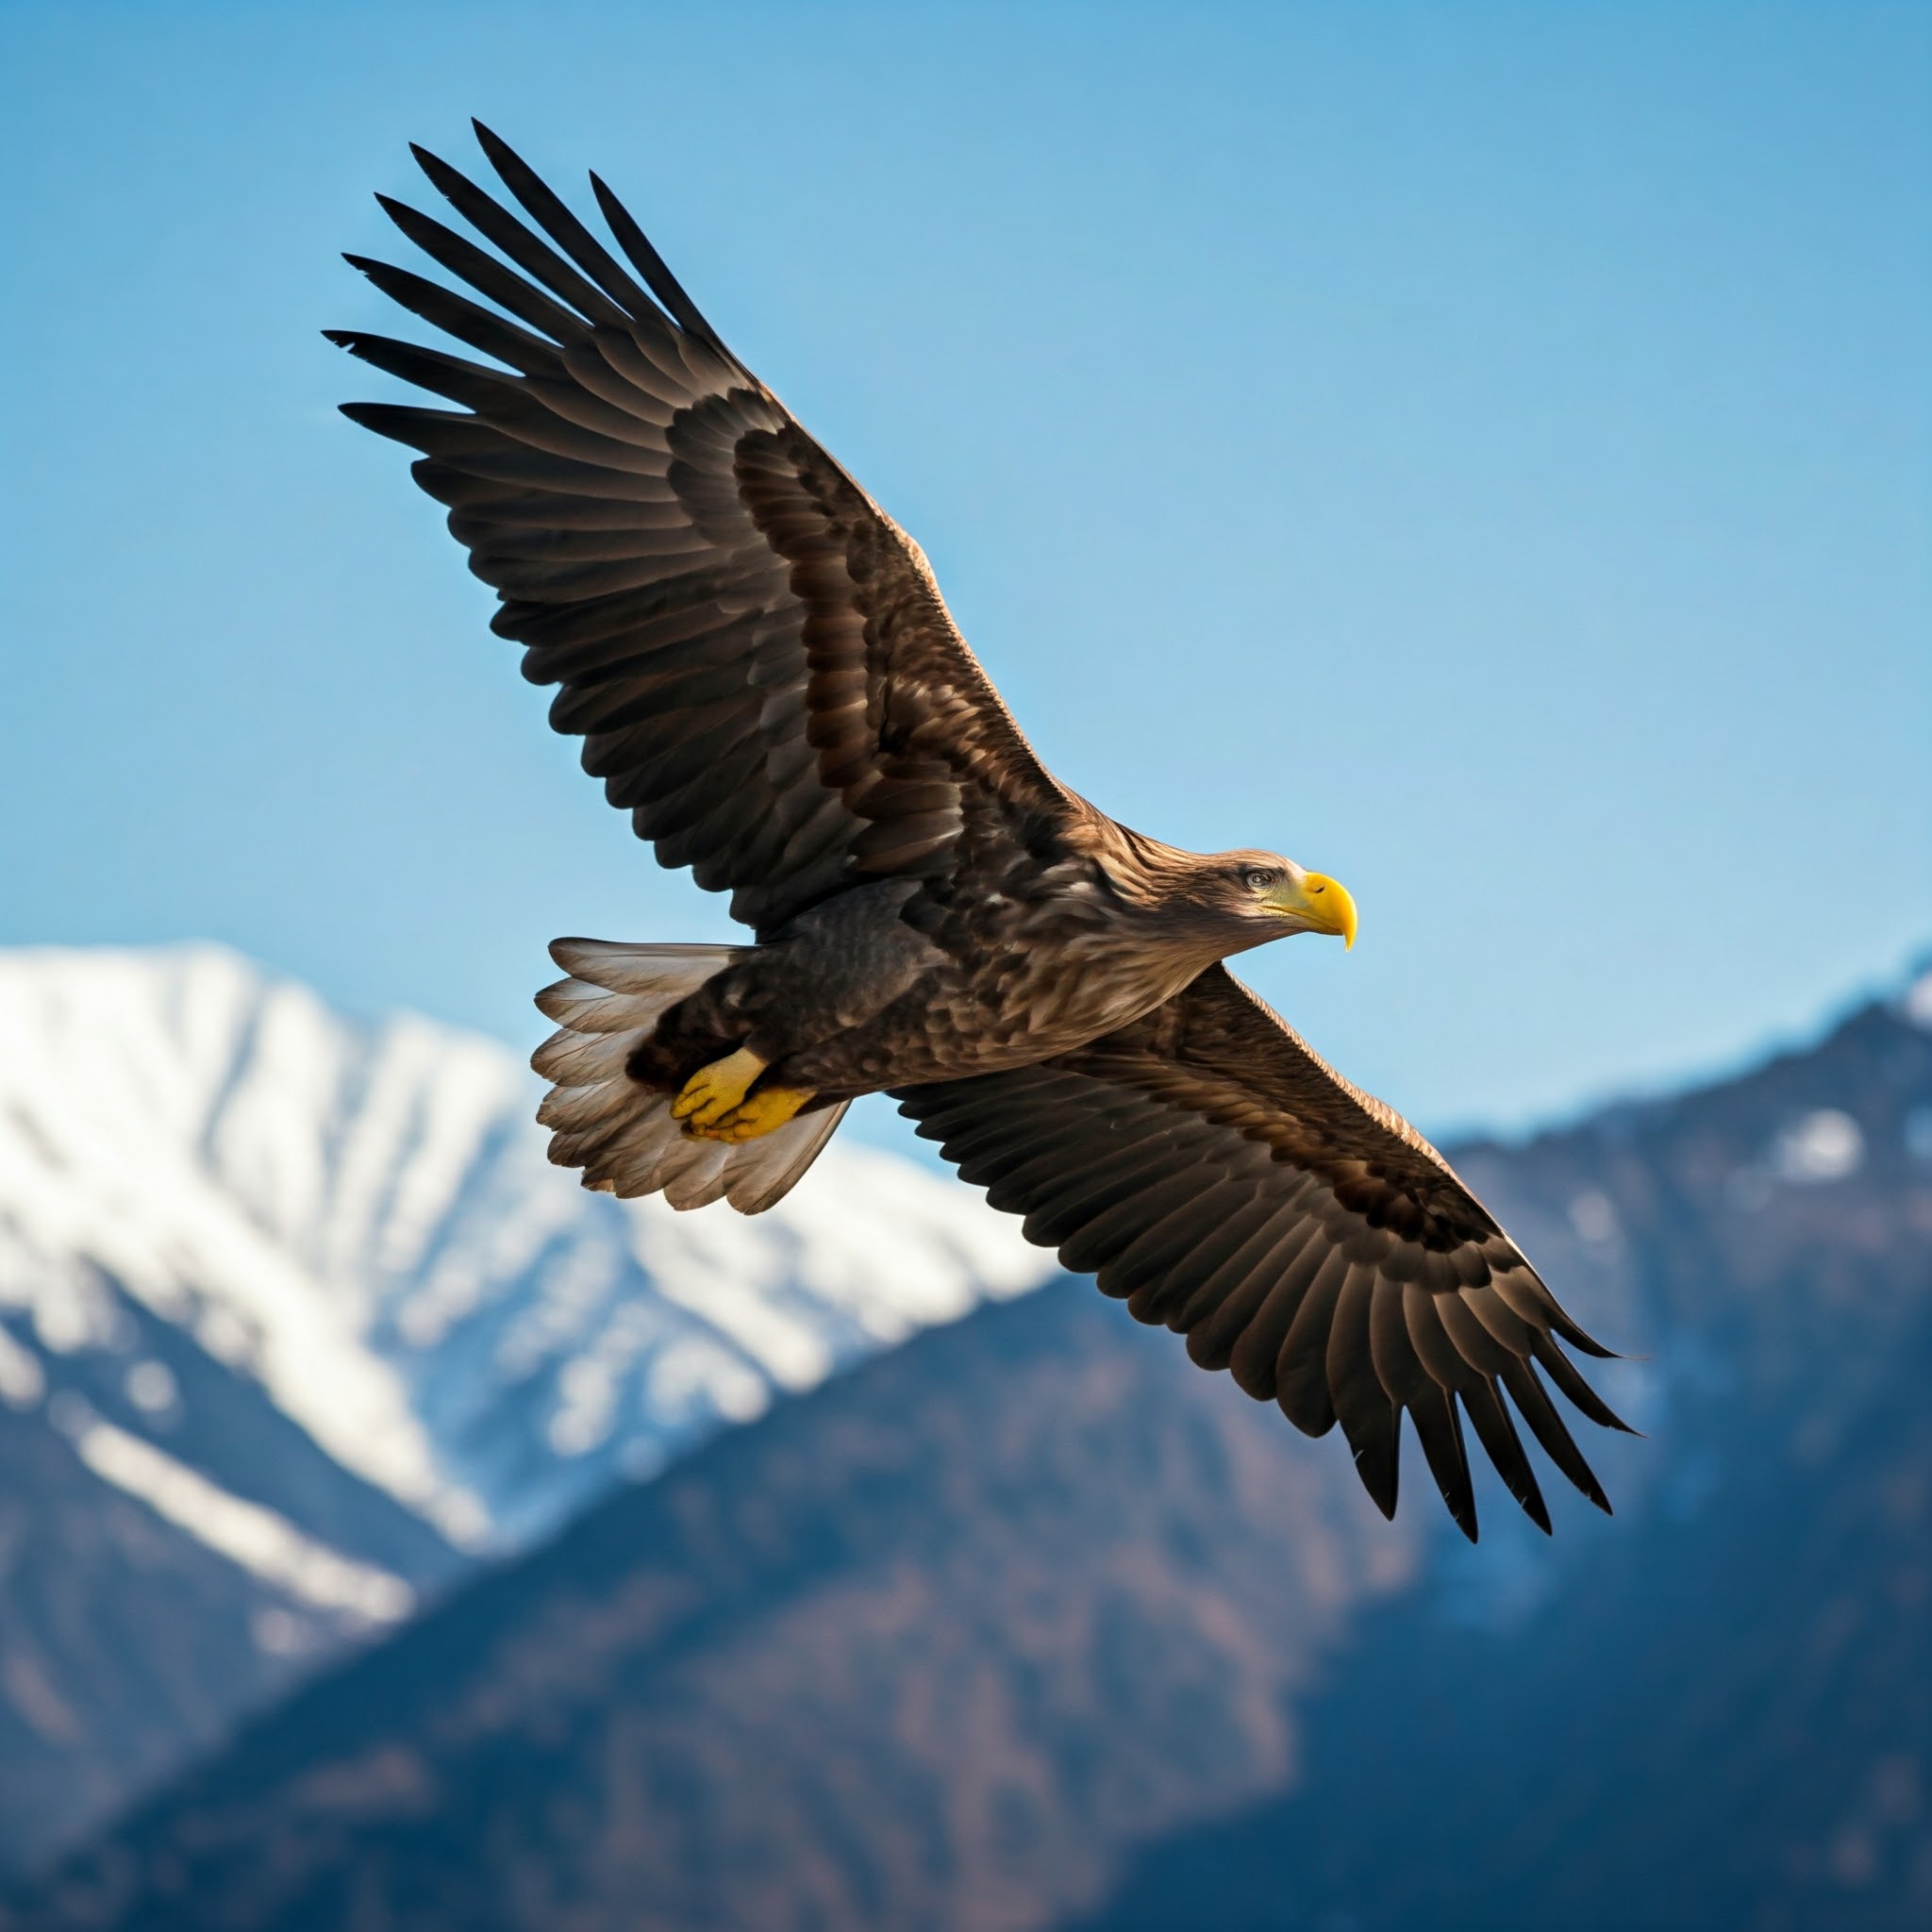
[(767, 1109), (712, 1092)]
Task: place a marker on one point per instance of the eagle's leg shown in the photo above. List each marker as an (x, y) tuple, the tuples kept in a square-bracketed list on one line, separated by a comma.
[(714, 1091)]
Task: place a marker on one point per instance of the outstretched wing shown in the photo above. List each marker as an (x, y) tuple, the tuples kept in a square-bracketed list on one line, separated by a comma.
[(757, 658), (1212, 1171)]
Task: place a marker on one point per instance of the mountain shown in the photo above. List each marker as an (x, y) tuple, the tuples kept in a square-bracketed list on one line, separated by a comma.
[(1030, 1624), (1723, 1714), (961, 1617), (297, 1326)]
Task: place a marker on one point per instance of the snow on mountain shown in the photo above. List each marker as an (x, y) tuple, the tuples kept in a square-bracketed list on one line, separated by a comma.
[(360, 1220)]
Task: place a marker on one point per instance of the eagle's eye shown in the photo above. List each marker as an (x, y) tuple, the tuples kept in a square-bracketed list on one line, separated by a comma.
[(1257, 880)]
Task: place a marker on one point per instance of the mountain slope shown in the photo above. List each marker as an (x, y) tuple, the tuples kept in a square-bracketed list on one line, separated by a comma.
[(992, 1632), (128, 1642), (928, 1647), (304, 1300), (1722, 1715)]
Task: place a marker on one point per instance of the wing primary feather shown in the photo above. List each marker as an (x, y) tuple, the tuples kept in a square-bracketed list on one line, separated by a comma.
[(1434, 1349), (457, 315), (1404, 1372), (650, 265), (495, 223), (469, 383), (1369, 1419), (1521, 1290), (1536, 1409), (1472, 1341), (484, 273), (1563, 1372), (1504, 1326), (561, 225), (1439, 1428), (1490, 1417), (404, 422)]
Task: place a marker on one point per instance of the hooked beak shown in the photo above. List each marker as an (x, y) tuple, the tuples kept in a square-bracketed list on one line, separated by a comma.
[(1321, 904)]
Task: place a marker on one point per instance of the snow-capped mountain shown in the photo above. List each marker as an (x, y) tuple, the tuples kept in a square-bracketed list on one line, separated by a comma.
[(1031, 1625), (360, 1219), (298, 1302)]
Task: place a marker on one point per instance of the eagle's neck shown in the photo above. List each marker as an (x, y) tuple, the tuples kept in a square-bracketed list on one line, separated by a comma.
[(1159, 908)]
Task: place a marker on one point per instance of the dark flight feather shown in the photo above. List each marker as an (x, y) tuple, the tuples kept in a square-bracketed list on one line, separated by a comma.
[(1318, 1304)]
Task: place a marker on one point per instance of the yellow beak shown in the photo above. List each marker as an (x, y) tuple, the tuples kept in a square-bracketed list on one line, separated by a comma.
[(1322, 903)]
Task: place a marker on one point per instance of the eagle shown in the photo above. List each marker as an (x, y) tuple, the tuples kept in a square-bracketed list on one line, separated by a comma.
[(764, 675)]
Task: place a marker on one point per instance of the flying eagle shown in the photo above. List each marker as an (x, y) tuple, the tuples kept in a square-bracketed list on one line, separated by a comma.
[(766, 678)]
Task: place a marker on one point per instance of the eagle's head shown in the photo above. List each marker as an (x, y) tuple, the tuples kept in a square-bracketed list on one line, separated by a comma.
[(1262, 896), (1218, 902)]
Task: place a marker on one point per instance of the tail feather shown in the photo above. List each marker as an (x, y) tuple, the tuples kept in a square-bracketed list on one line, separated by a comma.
[(620, 1131)]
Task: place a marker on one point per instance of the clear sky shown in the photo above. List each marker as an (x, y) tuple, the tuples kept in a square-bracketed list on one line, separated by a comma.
[(1483, 451)]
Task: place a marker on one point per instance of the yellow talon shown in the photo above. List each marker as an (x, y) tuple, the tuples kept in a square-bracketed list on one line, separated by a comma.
[(765, 1111), (712, 1092)]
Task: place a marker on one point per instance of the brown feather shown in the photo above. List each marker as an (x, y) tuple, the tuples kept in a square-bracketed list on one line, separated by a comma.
[(764, 673), (1303, 1286), (613, 399)]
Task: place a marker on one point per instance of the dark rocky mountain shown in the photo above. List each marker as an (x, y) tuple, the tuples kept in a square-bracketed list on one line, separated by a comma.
[(1721, 1713), (127, 1641), (1031, 1623), (144, 1608), (934, 1646)]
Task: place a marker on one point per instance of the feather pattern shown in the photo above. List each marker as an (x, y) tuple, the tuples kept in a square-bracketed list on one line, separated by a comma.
[(625, 484), (1207, 1166)]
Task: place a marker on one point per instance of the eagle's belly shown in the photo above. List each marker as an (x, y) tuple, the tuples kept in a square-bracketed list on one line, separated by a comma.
[(1011, 1008)]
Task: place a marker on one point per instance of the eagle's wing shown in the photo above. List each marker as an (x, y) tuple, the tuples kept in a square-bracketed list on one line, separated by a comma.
[(1216, 1174), (755, 655)]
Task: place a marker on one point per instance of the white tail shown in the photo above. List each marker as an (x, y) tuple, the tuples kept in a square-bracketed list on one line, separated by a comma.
[(620, 1131)]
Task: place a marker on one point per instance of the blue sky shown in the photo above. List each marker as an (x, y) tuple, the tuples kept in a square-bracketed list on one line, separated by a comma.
[(1483, 451)]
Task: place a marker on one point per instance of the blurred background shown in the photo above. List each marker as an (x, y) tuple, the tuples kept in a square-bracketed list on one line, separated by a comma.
[(1483, 451)]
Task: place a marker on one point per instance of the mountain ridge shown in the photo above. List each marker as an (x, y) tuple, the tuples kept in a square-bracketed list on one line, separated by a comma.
[(1032, 1624)]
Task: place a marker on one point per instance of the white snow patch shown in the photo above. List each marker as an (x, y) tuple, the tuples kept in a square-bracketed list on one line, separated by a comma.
[(886, 1246), (1594, 1216), (265, 1544), (1916, 1004), (23, 1381), (281, 1633), (152, 1388), (1824, 1145)]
